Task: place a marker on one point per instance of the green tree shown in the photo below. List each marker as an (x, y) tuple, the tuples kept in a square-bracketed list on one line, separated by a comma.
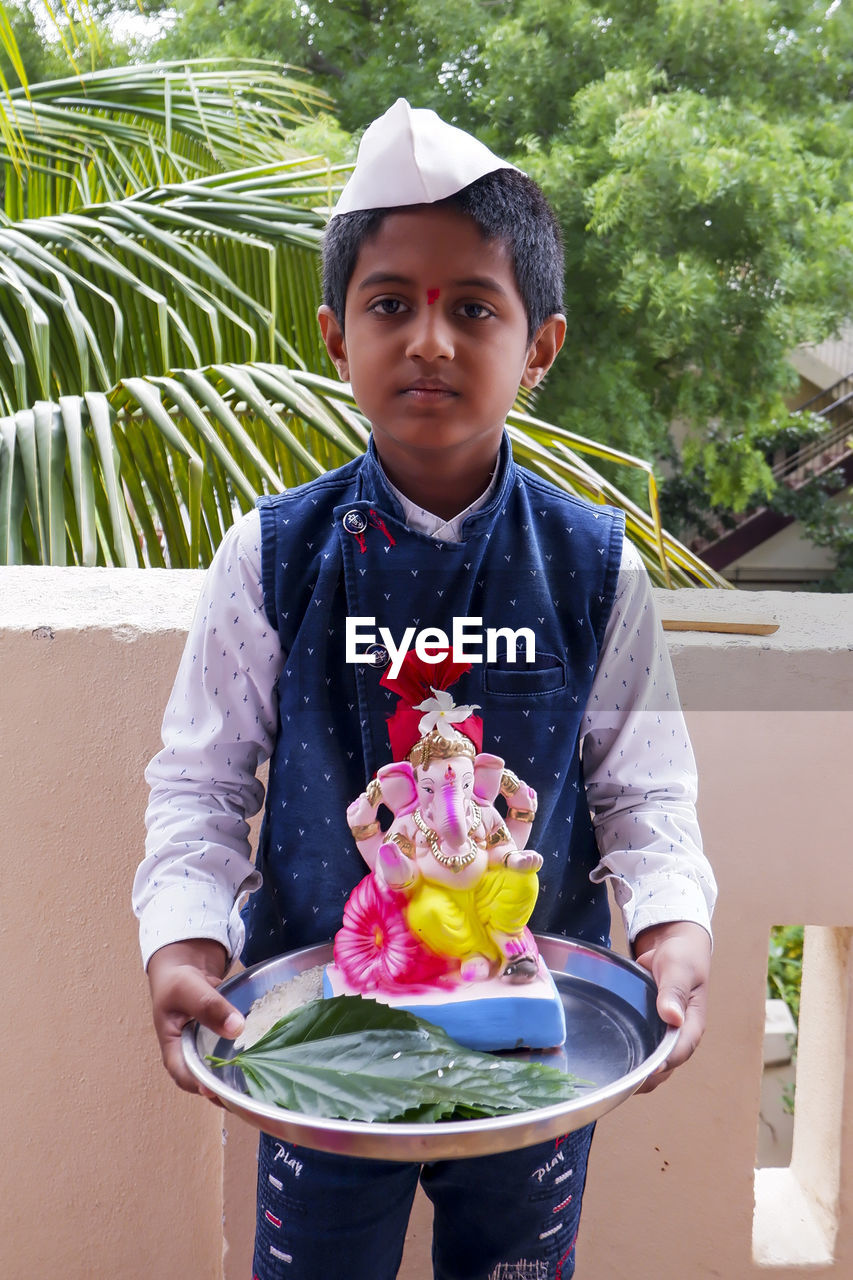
[(698, 153), (35, 55), (364, 53), (88, 38), (160, 362)]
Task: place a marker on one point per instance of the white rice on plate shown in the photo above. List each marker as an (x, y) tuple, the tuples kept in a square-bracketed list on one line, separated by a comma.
[(278, 1002)]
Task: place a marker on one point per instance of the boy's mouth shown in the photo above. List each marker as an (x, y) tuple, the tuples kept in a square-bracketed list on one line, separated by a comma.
[(428, 390)]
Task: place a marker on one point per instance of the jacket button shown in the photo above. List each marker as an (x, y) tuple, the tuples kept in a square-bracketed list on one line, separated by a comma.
[(355, 521), (379, 655)]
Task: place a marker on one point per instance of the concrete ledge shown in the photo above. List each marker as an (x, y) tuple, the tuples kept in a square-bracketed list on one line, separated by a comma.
[(807, 621), (804, 666), (160, 599), (787, 1232), (97, 599), (88, 658)]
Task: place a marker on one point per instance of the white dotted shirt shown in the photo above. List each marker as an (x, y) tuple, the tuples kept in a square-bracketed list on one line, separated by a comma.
[(222, 719)]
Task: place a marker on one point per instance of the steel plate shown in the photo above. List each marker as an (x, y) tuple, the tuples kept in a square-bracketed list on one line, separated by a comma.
[(615, 1040)]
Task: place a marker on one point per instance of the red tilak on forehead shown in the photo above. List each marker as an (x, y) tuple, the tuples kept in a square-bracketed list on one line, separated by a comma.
[(432, 296)]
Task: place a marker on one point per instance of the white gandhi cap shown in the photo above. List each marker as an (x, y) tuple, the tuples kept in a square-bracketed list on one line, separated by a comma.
[(411, 156)]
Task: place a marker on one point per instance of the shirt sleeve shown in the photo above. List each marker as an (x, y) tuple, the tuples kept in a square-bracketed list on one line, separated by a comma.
[(219, 725), (640, 770)]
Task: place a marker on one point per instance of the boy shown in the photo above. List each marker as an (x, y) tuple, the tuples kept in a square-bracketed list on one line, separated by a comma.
[(442, 295)]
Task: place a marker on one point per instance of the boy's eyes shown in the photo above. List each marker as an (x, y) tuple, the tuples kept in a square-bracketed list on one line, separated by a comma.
[(475, 310), (396, 307), (388, 306)]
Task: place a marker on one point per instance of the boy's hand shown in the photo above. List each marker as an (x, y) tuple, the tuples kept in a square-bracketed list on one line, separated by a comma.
[(183, 977), (678, 956)]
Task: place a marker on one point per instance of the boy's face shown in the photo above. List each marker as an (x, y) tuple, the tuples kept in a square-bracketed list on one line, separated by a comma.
[(435, 340)]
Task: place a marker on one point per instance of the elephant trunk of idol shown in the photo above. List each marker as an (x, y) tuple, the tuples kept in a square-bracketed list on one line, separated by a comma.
[(452, 827)]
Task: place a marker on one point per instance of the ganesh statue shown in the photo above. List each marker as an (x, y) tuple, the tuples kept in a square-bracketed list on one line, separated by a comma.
[(439, 923)]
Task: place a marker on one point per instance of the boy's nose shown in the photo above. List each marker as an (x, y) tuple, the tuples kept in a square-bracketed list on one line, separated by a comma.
[(430, 336)]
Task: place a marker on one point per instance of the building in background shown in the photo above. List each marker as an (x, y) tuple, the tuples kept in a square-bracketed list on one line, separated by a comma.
[(769, 551)]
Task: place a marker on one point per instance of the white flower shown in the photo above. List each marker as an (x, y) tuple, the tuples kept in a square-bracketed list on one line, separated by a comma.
[(440, 711)]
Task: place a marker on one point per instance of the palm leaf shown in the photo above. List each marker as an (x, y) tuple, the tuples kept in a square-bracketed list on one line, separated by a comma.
[(160, 365), (66, 31), (155, 470), (105, 134), (126, 248), (559, 456), (189, 274)]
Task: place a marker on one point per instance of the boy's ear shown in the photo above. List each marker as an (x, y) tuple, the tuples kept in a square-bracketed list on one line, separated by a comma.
[(333, 336), (543, 349)]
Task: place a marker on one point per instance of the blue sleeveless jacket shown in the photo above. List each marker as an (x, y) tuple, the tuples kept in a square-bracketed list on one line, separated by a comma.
[(533, 557)]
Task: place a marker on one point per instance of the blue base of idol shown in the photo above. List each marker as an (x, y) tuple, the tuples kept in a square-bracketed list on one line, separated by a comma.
[(484, 1015)]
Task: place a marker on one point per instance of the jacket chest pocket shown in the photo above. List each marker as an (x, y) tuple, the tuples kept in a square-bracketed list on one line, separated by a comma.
[(544, 674)]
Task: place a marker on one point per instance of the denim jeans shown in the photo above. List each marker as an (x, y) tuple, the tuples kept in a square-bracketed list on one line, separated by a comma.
[(512, 1216)]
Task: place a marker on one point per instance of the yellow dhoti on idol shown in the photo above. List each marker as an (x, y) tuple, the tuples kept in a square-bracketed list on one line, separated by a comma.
[(464, 922)]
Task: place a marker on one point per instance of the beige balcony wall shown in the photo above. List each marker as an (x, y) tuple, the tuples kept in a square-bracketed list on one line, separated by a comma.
[(109, 1173)]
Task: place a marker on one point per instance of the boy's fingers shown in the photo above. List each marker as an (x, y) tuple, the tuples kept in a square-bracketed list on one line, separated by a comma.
[(214, 1011), (673, 999), (191, 996), (671, 1005), (194, 995), (175, 1064), (681, 980), (691, 1024), (692, 1028)]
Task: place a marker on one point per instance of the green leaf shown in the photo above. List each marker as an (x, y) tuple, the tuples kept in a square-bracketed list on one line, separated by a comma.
[(352, 1058)]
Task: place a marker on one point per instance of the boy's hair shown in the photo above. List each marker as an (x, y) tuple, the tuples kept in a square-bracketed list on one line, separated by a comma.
[(505, 204)]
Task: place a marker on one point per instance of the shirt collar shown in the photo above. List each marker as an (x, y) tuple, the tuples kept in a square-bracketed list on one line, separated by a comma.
[(423, 521), (419, 520)]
